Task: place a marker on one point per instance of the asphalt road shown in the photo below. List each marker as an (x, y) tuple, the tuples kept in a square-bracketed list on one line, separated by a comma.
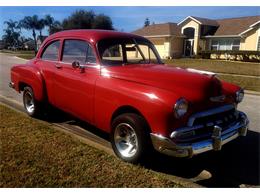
[(237, 165)]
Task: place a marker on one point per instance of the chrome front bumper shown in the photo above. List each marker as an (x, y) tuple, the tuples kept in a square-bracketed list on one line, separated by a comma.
[(218, 139)]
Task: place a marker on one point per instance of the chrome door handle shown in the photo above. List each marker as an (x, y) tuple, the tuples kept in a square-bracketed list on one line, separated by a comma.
[(57, 65)]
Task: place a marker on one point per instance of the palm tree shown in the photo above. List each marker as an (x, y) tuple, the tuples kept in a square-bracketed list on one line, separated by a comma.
[(49, 21), (11, 35), (12, 25), (40, 26), (53, 25), (31, 23)]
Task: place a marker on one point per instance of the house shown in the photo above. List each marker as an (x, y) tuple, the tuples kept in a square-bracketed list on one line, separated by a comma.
[(194, 34), (28, 45), (40, 40), (2, 44)]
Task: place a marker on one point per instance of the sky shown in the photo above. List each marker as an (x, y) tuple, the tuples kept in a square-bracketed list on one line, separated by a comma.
[(127, 18)]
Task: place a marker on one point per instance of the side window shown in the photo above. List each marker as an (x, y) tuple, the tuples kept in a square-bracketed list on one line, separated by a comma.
[(113, 55), (51, 52), (77, 50)]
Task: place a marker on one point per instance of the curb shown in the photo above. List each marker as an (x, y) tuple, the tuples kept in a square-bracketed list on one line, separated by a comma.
[(252, 92), (20, 58), (14, 105)]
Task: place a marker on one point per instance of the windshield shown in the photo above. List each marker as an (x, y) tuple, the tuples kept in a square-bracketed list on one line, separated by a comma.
[(127, 51)]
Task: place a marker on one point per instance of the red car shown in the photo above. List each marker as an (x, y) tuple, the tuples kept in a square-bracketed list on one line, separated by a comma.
[(117, 82)]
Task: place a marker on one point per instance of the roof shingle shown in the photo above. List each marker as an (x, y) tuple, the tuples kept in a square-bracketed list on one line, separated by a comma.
[(235, 26), (229, 26), (159, 29)]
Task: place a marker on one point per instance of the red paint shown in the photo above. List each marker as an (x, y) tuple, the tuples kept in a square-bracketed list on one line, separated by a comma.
[(96, 94)]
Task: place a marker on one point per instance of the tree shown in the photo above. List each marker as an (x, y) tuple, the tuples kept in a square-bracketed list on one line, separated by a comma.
[(146, 22), (53, 25), (31, 23), (102, 22), (49, 20), (82, 19), (40, 25), (12, 33)]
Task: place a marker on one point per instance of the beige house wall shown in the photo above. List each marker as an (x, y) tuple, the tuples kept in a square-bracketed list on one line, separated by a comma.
[(168, 47), (159, 44), (196, 26), (249, 42), (177, 47)]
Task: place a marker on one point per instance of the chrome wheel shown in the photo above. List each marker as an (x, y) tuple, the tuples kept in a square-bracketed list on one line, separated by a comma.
[(29, 102), (125, 140)]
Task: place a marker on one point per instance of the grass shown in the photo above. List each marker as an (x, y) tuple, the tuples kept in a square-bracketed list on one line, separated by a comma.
[(241, 68), (26, 56), (220, 66), (34, 154), (246, 83), (21, 53)]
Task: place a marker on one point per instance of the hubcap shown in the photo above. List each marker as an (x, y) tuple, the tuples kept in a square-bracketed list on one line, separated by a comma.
[(125, 140), (29, 102)]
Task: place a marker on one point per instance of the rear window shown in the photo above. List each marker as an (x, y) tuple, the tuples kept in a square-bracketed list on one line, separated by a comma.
[(51, 52)]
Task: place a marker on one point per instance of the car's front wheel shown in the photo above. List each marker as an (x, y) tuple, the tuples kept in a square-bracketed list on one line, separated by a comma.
[(31, 105), (130, 137)]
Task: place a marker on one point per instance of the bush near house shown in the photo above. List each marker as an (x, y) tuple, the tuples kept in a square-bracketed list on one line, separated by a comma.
[(242, 55)]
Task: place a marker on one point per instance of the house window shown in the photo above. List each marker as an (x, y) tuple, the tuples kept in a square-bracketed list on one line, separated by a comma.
[(214, 45), (189, 32), (225, 44), (236, 44)]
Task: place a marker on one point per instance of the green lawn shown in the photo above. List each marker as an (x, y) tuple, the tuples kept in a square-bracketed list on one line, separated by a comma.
[(221, 66), (241, 68), (21, 54), (252, 84), (34, 154)]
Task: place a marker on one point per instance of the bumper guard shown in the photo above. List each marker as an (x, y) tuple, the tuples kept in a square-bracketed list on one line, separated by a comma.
[(218, 139)]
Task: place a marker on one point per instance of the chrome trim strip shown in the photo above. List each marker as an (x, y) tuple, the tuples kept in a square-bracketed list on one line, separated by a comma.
[(184, 130), (209, 112)]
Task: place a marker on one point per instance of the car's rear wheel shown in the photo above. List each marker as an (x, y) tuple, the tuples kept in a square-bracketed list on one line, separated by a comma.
[(31, 105), (130, 137)]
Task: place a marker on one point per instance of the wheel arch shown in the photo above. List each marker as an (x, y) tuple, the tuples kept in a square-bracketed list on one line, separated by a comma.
[(128, 109)]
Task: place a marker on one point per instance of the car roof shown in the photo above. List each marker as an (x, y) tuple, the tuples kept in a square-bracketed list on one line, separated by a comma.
[(92, 35)]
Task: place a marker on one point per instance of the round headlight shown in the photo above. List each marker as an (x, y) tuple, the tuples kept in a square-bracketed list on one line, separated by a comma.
[(180, 108), (239, 96)]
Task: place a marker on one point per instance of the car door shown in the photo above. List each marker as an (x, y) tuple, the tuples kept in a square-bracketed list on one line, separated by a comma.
[(74, 86), (47, 63)]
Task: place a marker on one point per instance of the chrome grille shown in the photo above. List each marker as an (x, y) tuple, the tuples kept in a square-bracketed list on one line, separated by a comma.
[(203, 123)]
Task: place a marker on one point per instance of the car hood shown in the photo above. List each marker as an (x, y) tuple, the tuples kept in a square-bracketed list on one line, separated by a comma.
[(188, 83)]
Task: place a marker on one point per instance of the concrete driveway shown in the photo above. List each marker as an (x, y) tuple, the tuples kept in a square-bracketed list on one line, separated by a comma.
[(236, 165)]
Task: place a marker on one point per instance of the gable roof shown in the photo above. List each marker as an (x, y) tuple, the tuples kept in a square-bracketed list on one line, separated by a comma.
[(235, 26), (202, 21), (225, 27), (228, 26), (165, 29)]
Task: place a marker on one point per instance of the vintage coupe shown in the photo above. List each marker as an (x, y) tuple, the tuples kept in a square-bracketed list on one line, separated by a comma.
[(117, 82)]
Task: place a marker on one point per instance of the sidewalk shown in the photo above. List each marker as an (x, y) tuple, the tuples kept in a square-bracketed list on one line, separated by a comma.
[(238, 75)]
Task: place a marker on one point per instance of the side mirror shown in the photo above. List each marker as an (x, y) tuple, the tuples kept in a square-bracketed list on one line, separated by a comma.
[(75, 64)]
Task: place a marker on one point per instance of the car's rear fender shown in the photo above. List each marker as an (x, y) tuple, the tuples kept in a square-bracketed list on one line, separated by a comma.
[(28, 75)]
